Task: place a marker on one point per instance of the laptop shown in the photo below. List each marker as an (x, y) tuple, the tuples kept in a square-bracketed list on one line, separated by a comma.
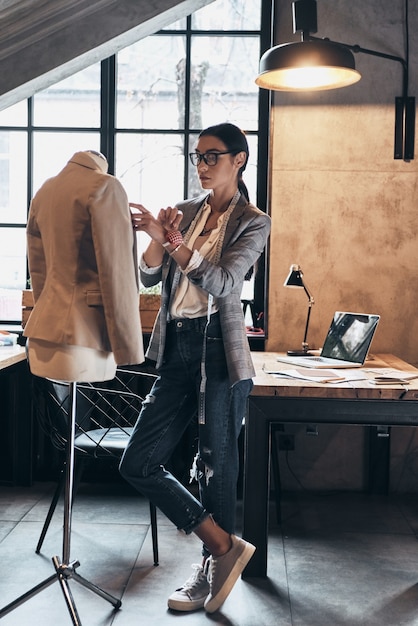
[(346, 344)]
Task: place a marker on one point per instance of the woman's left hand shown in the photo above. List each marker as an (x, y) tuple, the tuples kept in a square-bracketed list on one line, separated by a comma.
[(143, 220), (156, 228)]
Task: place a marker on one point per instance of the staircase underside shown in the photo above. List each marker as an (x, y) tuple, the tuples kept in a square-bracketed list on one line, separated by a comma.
[(45, 41)]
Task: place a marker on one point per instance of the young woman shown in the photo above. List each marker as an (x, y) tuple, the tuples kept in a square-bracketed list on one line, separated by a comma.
[(201, 250)]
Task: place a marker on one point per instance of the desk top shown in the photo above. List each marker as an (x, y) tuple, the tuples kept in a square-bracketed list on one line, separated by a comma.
[(11, 355), (271, 385)]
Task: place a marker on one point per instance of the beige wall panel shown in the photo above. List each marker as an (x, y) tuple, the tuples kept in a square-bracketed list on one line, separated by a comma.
[(335, 137), (354, 235)]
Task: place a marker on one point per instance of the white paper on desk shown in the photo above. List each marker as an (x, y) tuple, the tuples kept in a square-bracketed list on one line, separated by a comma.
[(318, 376), (392, 374)]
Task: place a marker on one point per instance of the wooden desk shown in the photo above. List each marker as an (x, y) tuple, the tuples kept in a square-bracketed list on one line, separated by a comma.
[(15, 417), (10, 356), (279, 400)]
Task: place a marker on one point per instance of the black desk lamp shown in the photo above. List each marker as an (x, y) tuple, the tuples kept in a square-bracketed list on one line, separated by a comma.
[(295, 280)]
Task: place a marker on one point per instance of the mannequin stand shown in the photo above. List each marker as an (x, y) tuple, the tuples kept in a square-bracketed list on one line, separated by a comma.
[(64, 569)]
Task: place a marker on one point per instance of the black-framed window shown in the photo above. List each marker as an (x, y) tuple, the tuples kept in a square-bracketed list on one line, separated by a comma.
[(143, 108)]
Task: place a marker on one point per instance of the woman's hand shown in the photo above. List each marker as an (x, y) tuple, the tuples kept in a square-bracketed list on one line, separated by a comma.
[(143, 220), (170, 218)]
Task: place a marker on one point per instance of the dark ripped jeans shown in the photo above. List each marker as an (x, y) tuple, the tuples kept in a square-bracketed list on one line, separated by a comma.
[(166, 413)]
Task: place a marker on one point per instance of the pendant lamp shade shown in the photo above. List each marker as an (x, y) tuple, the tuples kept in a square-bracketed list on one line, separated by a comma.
[(307, 65)]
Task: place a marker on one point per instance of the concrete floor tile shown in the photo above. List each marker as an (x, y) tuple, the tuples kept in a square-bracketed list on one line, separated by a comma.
[(338, 559)]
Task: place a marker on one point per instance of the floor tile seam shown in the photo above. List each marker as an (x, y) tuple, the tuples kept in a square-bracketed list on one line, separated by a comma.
[(290, 533), (75, 522), (129, 575), (40, 498), (20, 517), (287, 582), (3, 538)]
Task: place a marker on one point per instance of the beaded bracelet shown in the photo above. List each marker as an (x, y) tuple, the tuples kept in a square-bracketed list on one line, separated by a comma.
[(174, 237)]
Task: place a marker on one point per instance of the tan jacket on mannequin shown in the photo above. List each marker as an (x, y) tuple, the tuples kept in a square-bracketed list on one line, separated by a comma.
[(82, 263)]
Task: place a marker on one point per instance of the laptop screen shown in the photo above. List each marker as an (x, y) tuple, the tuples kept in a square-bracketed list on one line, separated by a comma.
[(349, 336)]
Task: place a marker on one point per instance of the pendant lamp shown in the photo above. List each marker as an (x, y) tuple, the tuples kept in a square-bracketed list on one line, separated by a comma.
[(315, 64)]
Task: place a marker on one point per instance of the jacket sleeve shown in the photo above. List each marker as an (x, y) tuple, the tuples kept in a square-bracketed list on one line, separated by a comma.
[(36, 253), (115, 249), (239, 254)]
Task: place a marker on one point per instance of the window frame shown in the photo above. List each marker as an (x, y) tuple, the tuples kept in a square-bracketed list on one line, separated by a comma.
[(108, 131)]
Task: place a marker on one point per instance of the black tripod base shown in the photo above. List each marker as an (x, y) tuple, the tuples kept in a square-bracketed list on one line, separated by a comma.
[(63, 574), (65, 571)]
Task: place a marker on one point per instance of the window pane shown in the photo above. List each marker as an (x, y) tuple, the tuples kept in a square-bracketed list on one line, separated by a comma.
[(148, 95), (74, 101), (151, 168), (13, 177), (51, 151), (193, 185), (10, 305), (13, 258), (228, 15), (16, 115), (229, 92)]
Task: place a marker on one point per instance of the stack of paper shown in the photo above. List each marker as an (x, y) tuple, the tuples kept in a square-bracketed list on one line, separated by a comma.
[(387, 376), (319, 376)]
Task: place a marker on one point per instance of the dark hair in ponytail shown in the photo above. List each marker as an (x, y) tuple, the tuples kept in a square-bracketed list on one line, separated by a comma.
[(235, 141)]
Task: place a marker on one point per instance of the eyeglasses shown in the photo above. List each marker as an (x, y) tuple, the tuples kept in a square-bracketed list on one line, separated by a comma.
[(210, 158)]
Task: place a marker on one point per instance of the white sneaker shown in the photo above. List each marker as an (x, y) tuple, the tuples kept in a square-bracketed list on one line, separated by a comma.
[(192, 595), (224, 572)]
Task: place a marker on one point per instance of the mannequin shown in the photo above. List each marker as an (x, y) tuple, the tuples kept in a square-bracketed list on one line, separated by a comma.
[(99, 159), (70, 363), (82, 262)]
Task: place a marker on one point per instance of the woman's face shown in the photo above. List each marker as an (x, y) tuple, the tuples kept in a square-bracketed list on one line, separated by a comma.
[(225, 172)]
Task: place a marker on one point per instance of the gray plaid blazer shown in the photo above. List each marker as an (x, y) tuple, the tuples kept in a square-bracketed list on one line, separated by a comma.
[(245, 238)]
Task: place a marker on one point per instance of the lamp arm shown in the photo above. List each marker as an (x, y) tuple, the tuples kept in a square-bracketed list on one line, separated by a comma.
[(404, 106), (391, 57), (305, 344), (311, 299), (356, 48)]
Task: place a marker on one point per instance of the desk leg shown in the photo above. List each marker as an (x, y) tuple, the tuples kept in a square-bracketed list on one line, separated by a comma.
[(256, 488), (16, 455), (22, 403), (379, 459)]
